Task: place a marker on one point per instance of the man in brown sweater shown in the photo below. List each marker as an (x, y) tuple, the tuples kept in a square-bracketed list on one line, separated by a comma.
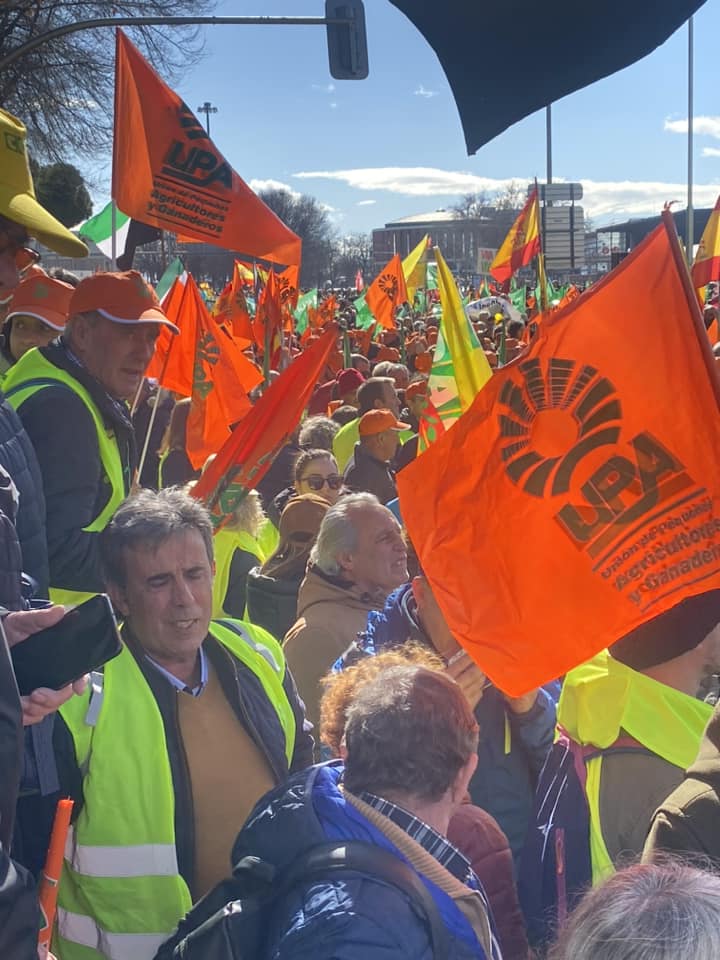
[(182, 734)]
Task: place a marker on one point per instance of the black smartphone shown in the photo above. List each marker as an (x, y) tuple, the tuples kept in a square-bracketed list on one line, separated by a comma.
[(85, 638)]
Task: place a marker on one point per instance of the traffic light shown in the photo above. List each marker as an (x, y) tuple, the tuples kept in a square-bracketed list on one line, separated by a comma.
[(347, 42)]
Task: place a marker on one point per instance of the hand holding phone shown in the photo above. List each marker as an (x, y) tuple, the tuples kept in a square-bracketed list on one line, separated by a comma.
[(85, 638)]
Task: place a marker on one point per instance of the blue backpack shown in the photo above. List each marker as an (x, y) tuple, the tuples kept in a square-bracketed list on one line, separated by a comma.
[(556, 865)]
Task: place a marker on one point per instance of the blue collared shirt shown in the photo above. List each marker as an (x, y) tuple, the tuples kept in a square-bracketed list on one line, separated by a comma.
[(178, 684)]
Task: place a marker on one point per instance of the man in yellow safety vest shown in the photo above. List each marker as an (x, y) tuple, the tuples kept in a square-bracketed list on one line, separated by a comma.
[(173, 744), (72, 399)]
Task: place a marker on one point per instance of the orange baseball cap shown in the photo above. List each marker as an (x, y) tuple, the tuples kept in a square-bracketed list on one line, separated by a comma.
[(44, 298), (121, 297), (418, 388), (378, 421)]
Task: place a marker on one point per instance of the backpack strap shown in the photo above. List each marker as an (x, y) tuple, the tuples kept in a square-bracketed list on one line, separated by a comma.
[(378, 863)]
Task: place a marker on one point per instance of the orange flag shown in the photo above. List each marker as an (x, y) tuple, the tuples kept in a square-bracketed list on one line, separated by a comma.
[(387, 292), (287, 281), (247, 454), (713, 332), (222, 377), (522, 242), (231, 308), (268, 323), (171, 301), (169, 174), (580, 491)]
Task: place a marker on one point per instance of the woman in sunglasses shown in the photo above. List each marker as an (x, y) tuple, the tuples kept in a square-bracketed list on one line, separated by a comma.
[(316, 471)]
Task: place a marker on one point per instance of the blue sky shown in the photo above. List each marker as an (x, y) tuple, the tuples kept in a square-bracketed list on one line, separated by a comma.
[(392, 145)]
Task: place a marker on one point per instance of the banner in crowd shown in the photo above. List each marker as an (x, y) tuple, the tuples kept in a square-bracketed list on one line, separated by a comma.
[(169, 174), (247, 455), (579, 496)]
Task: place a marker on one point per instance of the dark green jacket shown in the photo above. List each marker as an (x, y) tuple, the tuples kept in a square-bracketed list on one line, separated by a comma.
[(688, 821)]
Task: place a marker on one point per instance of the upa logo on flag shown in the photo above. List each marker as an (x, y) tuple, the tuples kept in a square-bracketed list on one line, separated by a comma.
[(388, 283), (553, 421), (196, 165)]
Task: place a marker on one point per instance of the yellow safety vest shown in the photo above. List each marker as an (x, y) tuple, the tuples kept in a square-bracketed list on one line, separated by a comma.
[(603, 700), (32, 373), (226, 542), (121, 893)]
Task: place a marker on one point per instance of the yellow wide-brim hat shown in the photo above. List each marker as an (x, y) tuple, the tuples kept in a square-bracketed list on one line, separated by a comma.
[(17, 194)]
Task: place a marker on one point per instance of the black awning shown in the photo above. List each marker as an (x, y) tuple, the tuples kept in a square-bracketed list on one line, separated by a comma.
[(508, 58)]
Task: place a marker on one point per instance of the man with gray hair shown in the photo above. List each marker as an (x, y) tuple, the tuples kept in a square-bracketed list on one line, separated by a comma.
[(72, 399), (410, 751), (177, 740), (358, 559)]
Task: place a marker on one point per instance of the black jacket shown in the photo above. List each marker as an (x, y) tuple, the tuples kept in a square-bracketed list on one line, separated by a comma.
[(17, 456), (366, 474), (254, 711), (76, 490), (272, 602)]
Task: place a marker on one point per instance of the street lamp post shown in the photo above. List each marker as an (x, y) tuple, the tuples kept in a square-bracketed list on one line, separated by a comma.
[(207, 108)]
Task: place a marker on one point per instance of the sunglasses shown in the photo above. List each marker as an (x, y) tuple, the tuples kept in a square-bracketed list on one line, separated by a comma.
[(316, 482)]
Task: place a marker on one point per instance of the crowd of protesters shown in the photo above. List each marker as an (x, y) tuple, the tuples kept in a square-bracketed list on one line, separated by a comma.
[(289, 683)]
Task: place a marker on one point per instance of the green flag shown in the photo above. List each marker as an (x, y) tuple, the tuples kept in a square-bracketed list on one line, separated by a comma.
[(173, 271), (364, 319), (305, 301), (99, 230)]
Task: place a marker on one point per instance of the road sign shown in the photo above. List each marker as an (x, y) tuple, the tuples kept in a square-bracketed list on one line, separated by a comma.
[(561, 192)]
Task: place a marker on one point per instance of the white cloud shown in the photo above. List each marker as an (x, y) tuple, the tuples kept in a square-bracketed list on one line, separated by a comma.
[(333, 105), (259, 185), (711, 152), (365, 203), (422, 92), (601, 198), (703, 126), (324, 87)]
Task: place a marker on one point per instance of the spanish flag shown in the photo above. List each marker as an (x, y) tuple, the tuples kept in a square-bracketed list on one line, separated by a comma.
[(521, 244), (706, 267)]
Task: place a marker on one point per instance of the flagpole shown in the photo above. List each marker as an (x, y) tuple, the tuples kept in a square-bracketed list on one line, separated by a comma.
[(693, 304), (113, 235), (542, 276), (690, 239)]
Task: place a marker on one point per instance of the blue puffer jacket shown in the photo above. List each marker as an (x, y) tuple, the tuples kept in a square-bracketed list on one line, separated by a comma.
[(512, 748), (348, 917)]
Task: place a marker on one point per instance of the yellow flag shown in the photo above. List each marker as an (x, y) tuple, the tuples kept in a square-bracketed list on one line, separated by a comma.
[(707, 260), (414, 267), (460, 368)]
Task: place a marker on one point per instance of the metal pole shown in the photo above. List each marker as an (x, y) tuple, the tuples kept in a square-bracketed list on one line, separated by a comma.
[(113, 236), (173, 22), (548, 140), (690, 240)]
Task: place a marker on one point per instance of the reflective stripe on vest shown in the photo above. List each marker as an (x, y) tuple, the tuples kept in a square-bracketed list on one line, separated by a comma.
[(226, 542), (120, 888), (74, 928), (32, 373)]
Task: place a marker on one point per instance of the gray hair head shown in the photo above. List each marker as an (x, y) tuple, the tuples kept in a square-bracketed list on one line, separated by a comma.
[(317, 433), (146, 520), (660, 911), (338, 532)]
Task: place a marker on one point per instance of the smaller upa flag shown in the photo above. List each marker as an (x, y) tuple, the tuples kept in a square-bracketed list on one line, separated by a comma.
[(387, 292), (522, 242), (706, 267)]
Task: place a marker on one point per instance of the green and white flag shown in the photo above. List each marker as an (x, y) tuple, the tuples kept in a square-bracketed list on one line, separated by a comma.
[(99, 230)]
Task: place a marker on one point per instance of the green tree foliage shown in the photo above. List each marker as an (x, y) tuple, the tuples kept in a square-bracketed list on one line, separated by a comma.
[(61, 189)]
